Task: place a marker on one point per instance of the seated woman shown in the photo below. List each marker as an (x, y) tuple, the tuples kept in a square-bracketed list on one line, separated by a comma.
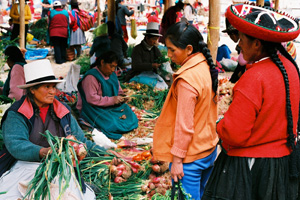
[(145, 58), (15, 60), (100, 99), (26, 119)]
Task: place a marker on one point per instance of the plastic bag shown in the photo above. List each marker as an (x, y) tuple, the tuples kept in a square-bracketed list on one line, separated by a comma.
[(228, 64), (101, 140), (176, 193)]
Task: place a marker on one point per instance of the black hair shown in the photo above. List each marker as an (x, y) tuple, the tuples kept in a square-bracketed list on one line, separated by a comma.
[(35, 107), (272, 48), (183, 34), (107, 57), (14, 54)]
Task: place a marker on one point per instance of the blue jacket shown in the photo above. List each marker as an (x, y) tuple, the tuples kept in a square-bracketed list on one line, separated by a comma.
[(18, 121)]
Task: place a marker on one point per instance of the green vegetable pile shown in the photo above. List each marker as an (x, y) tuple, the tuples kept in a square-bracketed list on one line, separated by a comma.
[(57, 164), (97, 171), (145, 93), (84, 62), (39, 29)]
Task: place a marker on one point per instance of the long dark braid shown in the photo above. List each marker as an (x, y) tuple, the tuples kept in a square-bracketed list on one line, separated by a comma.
[(274, 57), (212, 67), (284, 52), (294, 158)]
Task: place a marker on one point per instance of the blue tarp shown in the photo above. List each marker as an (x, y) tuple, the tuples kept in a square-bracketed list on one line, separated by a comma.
[(34, 54)]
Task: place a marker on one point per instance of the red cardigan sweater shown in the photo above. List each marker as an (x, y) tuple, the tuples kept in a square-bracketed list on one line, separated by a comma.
[(255, 124)]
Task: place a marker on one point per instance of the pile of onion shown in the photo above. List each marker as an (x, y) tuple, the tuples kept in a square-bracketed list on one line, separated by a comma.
[(121, 172), (156, 184), (80, 148), (159, 166)]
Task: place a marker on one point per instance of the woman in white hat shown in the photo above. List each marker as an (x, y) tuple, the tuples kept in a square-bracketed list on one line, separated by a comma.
[(37, 111), (259, 158), (146, 54)]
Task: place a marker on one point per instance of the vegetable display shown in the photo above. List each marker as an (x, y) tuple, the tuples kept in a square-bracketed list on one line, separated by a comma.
[(59, 164), (84, 62)]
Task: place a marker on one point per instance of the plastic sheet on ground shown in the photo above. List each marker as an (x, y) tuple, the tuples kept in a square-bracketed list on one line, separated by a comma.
[(35, 54)]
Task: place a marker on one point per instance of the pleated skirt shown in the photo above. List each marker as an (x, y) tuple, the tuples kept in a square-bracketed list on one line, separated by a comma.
[(241, 178)]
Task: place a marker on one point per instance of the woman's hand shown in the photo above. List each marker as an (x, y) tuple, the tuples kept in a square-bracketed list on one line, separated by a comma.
[(118, 99), (177, 169), (44, 151)]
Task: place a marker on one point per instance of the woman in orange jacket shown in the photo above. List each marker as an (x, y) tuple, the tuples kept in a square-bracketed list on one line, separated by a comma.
[(185, 133)]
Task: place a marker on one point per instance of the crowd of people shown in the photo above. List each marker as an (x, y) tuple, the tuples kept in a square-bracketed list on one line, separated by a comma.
[(257, 138)]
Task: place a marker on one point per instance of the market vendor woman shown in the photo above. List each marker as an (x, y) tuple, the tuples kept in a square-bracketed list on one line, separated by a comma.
[(259, 130), (100, 99), (22, 124)]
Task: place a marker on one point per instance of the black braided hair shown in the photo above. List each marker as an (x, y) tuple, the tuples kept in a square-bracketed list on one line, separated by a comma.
[(36, 109), (183, 34), (272, 51), (294, 158), (295, 155), (213, 71)]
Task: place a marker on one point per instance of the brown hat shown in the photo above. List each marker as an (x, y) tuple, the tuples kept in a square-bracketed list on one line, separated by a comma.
[(74, 3)]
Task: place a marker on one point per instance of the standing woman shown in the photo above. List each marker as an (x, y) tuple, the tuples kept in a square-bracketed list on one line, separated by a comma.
[(59, 31), (185, 133), (15, 15), (77, 35), (259, 129), (15, 61)]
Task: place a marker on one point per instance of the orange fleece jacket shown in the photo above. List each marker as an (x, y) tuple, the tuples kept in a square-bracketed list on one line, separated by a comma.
[(200, 140)]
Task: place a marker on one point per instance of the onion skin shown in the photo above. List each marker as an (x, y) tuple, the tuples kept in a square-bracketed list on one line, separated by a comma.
[(134, 170), (151, 186), (144, 188), (156, 180), (113, 168), (156, 168), (152, 176), (119, 173), (119, 179), (121, 167)]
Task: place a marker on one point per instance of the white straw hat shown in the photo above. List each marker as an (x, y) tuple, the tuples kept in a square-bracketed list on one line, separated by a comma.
[(38, 72), (152, 29)]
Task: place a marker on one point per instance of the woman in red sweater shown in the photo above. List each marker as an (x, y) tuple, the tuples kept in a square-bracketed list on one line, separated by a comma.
[(259, 129)]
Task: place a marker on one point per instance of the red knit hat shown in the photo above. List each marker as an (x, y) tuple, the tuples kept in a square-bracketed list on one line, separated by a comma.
[(263, 22)]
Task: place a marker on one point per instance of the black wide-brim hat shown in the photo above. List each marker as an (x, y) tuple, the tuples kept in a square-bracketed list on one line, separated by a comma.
[(263, 22)]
